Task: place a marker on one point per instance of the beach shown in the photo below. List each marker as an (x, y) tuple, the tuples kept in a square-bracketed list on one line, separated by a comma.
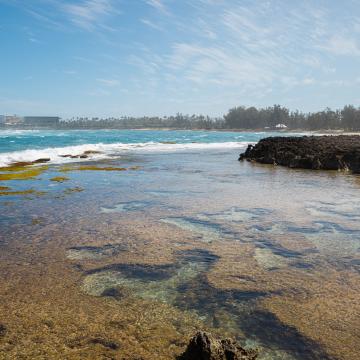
[(128, 252)]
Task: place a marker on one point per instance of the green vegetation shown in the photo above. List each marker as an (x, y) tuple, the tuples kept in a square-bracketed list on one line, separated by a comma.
[(22, 192), (59, 179), (241, 117), (252, 118), (21, 173)]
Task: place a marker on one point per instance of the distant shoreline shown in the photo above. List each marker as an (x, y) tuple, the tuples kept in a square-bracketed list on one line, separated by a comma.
[(283, 131)]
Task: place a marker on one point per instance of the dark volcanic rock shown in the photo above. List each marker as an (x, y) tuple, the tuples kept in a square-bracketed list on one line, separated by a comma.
[(203, 346), (308, 152), (40, 161)]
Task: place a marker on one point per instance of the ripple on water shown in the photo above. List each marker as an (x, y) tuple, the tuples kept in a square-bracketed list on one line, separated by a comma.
[(127, 206), (236, 214), (206, 231)]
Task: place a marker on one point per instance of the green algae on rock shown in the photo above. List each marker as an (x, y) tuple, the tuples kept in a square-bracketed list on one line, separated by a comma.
[(59, 179), (21, 173), (22, 192)]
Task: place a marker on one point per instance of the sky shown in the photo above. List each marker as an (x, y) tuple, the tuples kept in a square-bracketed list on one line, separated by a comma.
[(159, 57)]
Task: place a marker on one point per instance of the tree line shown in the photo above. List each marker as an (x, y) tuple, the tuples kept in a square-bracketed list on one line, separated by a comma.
[(246, 118), (178, 121), (242, 117)]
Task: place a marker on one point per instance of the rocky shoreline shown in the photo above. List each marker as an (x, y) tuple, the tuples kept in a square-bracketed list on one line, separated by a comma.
[(308, 152)]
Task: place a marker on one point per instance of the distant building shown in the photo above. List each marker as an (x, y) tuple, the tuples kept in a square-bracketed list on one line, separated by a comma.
[(41, 120), (281, 126), (13, 120), (2, 119)]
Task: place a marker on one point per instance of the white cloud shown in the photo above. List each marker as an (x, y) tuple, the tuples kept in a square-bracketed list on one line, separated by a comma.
[(108, 82), (151, 24), (158, 5), (342, 45), (308, 81), (88, 13)]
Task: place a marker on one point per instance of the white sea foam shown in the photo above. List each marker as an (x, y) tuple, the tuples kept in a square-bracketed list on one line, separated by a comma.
[(107, 151)]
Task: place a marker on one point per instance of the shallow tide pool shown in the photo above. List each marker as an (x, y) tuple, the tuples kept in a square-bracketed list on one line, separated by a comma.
[(185, 239)]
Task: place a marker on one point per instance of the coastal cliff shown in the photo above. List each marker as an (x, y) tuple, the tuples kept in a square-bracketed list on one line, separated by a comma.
[(308, 152)]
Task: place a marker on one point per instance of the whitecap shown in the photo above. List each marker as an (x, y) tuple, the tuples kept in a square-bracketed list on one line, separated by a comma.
[(56, 154)]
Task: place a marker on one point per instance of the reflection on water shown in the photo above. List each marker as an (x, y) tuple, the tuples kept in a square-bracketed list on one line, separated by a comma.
[(268, 255), (128, 206)]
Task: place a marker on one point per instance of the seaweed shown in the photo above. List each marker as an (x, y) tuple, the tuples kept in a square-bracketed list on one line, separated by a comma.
[(22, 173), (59, 179)]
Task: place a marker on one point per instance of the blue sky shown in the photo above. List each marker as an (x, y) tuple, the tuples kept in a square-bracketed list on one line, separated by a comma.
[(159, 57)]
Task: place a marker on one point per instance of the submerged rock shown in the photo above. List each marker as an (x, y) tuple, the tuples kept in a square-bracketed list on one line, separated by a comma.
[(308, 152), (41, 161), (2, 330), (203, 346)]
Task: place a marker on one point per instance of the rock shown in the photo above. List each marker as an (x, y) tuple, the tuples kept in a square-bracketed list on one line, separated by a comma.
[(41, 161), (91, 152), (2, 330), (308, 152), (28, 163), (105, 342), (203, 346)]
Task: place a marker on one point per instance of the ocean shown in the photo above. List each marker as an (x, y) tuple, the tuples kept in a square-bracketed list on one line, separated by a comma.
[(29, 145), (127, 252)]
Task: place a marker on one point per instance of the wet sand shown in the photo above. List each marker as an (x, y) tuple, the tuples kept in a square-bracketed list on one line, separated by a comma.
[(129, 264)]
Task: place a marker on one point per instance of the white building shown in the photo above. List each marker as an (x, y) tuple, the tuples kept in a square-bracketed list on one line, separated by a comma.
[(281, 126), (13, 120)]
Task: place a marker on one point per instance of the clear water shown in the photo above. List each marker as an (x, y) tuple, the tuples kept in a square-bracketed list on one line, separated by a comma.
[(266, 254)]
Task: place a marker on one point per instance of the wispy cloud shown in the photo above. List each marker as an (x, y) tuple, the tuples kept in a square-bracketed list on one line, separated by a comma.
[(108, 82), (341, 45), (158, 5), (88, 13), (151, 24)]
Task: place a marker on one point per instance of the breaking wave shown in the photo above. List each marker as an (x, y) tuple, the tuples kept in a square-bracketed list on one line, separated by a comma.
[(104, 151)]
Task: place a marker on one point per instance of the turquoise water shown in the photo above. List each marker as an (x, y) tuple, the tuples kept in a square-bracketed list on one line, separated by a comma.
[(29, 145), (15, 140)]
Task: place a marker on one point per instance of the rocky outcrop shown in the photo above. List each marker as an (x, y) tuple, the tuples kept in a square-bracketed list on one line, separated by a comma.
[(203, 346), (308, 152)]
